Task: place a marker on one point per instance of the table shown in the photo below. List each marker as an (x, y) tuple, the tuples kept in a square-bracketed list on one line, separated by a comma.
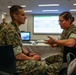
[(44, 50)]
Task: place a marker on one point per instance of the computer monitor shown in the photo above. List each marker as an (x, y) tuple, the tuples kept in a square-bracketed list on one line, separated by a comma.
[(25, 35)]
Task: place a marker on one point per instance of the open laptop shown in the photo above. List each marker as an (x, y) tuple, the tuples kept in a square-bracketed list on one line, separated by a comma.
[(25, 36)]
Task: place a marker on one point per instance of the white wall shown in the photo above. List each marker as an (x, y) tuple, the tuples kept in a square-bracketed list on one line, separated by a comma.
[(0, 16), (23, 27), (74, 15), (29, 27)]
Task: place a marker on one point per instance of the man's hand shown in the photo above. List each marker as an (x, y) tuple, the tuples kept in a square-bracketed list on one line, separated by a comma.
[(32, 54), (36, 57)]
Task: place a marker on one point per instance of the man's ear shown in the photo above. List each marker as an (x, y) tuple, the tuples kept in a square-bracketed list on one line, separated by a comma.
[(15, 16)]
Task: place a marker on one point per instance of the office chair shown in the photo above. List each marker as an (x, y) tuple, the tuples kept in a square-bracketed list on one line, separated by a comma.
[(68, 55), (7, 60), (71, 51), (72, 68)]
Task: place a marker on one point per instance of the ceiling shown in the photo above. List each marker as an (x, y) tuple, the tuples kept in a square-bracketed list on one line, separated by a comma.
[(65, 5)]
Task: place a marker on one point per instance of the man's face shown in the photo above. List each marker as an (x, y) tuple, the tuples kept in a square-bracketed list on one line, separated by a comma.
[(4, 20), (21, 17)]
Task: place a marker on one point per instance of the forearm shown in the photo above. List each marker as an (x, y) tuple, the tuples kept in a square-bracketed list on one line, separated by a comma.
[(28, 52), (22, 56), (25, 51), (66, 42), (70, 42)]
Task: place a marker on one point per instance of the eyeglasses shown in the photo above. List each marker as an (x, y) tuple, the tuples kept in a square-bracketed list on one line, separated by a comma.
[(62, 20)]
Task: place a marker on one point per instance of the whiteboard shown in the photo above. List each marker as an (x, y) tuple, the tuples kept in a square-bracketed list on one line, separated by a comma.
[(44, 24)]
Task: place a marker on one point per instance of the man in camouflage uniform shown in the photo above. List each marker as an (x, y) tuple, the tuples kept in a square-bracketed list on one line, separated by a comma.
[(4, 22), (26, 63)]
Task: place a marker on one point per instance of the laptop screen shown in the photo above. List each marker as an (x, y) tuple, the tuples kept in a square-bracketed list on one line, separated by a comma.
[(25, 36)]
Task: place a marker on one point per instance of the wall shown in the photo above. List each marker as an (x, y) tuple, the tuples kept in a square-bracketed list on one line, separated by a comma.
[(0, 16), (74, 15), (29, 27)]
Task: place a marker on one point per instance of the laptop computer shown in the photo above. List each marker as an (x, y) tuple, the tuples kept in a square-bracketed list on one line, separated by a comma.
[(25, 36)]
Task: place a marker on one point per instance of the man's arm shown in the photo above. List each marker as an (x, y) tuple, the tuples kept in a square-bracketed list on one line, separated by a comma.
[(14, 39), (28, 53), (22, 56), (25, 51)]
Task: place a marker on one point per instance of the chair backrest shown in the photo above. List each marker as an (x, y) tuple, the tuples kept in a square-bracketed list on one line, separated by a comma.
[(72, 68), (69, 53), (67, 50), (7, 59)]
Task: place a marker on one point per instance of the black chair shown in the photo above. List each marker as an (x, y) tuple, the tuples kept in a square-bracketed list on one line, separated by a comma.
[(7, 60), (71, 50), (69, 53)]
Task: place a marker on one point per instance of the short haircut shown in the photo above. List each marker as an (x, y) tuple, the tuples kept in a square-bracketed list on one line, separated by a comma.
[(14, 9)]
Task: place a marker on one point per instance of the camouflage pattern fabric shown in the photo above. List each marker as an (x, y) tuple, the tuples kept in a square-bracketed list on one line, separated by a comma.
[(5, 23), (66, 33), (56, 60), (39, 68), (9, 35), (31, 67)]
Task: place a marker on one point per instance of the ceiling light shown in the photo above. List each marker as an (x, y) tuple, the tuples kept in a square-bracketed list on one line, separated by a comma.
[(9, 6), (28, 10), (74, 4), (72, 9), (4, 13), (48, 5), (48, 10), (23, 5)]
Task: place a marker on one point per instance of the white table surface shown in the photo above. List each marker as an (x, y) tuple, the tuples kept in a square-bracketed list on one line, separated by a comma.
[(43, 49)]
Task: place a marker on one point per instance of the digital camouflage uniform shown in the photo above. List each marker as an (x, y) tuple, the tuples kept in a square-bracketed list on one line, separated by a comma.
[(9, 35), (70, 32), (4, 23)]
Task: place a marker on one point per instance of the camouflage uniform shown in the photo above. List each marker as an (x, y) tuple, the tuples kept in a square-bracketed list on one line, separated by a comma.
[(4, 23), (71, 32), (9, 35)]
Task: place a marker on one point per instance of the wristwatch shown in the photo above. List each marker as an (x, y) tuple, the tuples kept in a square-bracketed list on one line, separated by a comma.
[(28, 53)]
